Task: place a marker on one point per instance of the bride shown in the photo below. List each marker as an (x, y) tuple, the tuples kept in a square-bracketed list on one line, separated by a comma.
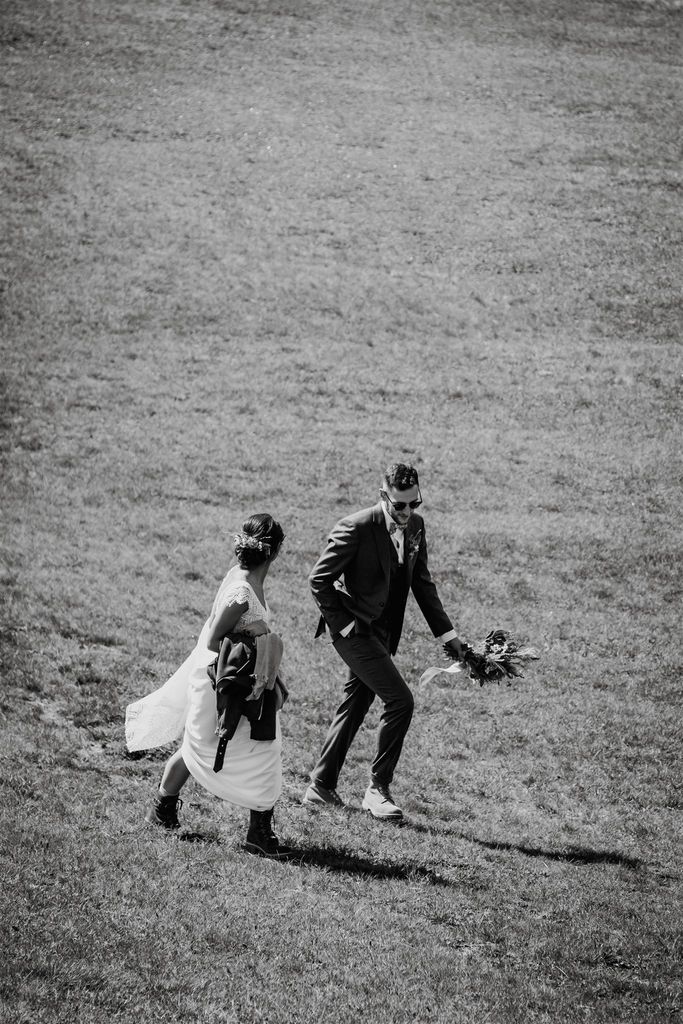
[(251, 774)]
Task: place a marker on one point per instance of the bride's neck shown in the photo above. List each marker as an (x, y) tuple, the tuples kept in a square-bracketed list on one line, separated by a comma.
[(258, 573)]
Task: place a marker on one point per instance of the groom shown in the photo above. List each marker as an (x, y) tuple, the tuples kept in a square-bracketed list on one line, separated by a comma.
[(381, 554)]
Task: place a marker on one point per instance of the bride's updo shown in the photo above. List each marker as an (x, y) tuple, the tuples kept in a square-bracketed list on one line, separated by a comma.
[(259, 540)]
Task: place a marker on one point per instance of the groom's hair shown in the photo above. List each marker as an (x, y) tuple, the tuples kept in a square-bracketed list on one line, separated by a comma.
[(401, 476)]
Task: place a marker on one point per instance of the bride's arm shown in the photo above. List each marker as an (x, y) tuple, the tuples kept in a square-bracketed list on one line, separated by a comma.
[(224, 623)]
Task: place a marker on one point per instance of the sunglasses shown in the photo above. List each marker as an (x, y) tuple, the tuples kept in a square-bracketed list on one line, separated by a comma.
[(399, 506)]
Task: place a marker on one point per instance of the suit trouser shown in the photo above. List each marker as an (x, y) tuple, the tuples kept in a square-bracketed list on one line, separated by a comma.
[(372, 673)]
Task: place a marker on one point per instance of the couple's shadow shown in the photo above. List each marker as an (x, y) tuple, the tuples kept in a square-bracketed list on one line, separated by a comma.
[(330, 859)]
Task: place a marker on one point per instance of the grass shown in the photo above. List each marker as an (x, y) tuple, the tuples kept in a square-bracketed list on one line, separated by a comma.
[(252, 252)]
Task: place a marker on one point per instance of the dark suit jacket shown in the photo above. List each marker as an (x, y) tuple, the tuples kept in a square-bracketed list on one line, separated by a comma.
[(350, 580)]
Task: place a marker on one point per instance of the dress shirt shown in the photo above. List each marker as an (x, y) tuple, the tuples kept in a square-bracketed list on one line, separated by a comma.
[(397, 538)]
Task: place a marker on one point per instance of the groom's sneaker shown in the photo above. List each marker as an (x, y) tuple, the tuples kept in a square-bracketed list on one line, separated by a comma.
[(318, 795), (379, 801)]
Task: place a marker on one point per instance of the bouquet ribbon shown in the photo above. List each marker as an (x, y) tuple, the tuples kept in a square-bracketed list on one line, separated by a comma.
[(430, 673)]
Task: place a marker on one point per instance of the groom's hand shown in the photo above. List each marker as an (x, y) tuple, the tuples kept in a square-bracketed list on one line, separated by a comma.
[(453, 649)]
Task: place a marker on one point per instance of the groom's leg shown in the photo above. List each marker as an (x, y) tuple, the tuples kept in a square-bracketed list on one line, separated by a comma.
[(346, 722), (372, 667)]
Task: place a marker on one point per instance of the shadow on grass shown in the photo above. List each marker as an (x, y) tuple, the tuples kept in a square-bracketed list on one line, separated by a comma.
[(335, 860), (574, 855), (351, 864), (197, 837)]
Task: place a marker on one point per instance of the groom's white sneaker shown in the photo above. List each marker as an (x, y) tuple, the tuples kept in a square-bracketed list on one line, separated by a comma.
[(318, 795), (379, 801)]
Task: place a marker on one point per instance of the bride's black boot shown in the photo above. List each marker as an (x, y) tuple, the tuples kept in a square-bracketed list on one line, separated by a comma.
[(261, 839), (164, 811)]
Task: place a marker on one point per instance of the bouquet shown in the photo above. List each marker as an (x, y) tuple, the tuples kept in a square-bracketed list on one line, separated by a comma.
[(498, 656)]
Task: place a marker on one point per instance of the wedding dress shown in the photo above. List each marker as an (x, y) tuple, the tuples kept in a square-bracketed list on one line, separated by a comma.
[(185, 705)]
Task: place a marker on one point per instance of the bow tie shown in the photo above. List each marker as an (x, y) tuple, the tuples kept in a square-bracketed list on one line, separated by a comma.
[(395, 528)]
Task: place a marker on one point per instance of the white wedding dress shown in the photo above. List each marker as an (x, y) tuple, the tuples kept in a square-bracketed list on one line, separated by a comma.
[(185, 705)]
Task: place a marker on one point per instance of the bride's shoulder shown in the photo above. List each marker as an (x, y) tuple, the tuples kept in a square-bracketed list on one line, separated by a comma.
[(234, 589)]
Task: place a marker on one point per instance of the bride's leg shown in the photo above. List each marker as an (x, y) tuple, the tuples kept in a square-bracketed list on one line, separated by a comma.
[(175, 775), (164, 807)]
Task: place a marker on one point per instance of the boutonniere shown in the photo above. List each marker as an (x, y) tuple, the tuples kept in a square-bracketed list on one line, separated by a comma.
[(414, 544)]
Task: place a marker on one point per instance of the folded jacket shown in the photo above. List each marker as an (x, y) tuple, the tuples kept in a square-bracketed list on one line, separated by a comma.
[(246, 682)]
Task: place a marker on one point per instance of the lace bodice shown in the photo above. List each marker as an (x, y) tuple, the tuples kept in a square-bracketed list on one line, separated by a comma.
[(238, 591)]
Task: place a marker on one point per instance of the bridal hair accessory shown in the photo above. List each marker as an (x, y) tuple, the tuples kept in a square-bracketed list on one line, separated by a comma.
[(498, 656), (245, 540)]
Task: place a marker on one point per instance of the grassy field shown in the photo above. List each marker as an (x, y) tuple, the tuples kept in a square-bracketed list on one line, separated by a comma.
[(251, 252)]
